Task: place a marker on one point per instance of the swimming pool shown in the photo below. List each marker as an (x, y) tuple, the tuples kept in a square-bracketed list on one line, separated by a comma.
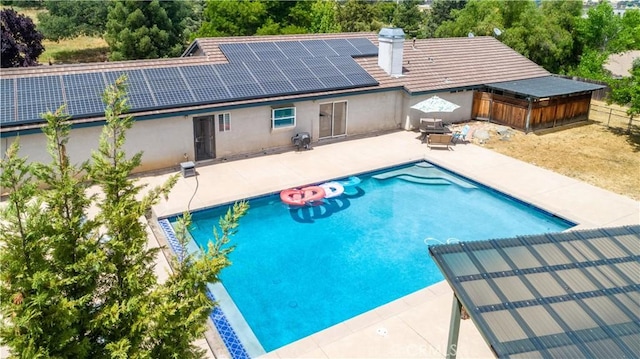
[(298, 271)]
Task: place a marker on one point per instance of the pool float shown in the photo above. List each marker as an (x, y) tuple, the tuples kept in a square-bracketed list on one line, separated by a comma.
[(332, 189), (302, 196), (351, 181)]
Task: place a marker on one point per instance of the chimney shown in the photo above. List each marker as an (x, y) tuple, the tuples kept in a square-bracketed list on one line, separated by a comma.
[(390, 43)]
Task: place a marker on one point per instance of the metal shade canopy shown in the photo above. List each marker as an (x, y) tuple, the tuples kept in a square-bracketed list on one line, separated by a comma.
[(435, 104)]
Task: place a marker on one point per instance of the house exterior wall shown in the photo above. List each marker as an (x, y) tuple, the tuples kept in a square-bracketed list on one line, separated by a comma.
[(163, 141), (412, 117), (251, 130), (166, 142)]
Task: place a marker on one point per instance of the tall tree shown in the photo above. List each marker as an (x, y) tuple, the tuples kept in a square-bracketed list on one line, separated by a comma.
[(75, 285), (323, 17), (21, 42), (599, 27), (565, 14), (628, 38), (626, 92), (356, 16), (539, 38), (477, 17), (407, 16), (68, 19), (147, 29), (441, 11), (232, 18)]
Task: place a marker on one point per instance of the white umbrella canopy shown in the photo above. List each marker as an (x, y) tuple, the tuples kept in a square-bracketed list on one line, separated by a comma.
[(435, 104)]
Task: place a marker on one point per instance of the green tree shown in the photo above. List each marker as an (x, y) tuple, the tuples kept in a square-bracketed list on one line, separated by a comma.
[(407, 16), (565, 14), (477, 17), (75, 285), (356, 16), (232, 18), (68, 19), (147, 29), (323, 17), (599, 27), (539, 39), (628, 38), (440, 12), (626, 92)]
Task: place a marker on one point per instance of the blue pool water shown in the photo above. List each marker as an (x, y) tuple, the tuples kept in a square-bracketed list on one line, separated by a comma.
[(297, 271)]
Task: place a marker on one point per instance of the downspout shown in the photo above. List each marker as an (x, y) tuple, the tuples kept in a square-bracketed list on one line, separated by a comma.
[(528, 120)]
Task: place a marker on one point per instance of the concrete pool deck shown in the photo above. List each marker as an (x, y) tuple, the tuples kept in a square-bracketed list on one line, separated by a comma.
[(416, 325)]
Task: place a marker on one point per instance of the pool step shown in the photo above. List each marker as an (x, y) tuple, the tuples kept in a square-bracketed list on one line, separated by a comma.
[(424, 173)]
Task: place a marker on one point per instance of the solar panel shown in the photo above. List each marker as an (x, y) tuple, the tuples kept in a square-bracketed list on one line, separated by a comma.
[(362, 79), (322, 67), (346, 65), (364, 46), (205, 83), (234, 74), (307, 84), (335, 82), (238, 52), (342, 47), (138, 91), (242, 91), (318, 48), (201, 76), (286, 67), (293, 49), (265, 71), (84, 93), (7, 101), (37, 95), (266, 51), (211, 94), (169, 87)]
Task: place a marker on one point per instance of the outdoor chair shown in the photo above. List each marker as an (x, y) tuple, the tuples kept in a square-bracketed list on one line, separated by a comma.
[(439, 139), (429, 126), (461, 135)]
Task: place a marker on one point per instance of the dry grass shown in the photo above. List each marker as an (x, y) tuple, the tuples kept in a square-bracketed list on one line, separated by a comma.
[(81, 49), (604, 156)]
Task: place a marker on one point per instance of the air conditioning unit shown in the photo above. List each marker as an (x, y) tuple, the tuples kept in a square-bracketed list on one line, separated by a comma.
[(188, 169)]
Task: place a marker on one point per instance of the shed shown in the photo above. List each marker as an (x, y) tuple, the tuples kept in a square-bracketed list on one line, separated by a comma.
[(534, 103)]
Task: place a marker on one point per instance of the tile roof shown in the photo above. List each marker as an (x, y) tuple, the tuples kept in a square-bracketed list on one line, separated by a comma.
[(429, 64)]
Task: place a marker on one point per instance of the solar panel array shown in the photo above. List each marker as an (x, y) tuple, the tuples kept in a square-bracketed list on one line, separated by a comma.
[(255, 70)]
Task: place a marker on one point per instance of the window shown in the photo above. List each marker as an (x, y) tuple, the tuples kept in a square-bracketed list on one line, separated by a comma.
[(224, 122), (283, 117)]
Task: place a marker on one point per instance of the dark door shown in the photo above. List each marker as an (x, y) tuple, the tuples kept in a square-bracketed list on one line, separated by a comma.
[(203, 138)]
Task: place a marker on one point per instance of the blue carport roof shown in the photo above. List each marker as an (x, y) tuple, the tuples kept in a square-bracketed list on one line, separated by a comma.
[(548, 86)]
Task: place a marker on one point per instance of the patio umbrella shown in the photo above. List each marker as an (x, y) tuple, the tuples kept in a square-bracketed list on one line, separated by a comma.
[(435, 104)]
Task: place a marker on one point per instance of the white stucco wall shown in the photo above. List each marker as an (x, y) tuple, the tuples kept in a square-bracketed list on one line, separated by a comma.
[(163, 141), (463, 99), (251, 130)]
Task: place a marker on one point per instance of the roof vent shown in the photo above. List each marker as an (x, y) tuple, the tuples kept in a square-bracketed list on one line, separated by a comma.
[(390, 43)]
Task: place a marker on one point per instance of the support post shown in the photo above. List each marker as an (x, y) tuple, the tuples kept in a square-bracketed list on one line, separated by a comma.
[(526, 125), (454, 329)]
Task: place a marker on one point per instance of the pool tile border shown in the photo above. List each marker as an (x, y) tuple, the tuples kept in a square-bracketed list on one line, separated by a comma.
[(226, 331)]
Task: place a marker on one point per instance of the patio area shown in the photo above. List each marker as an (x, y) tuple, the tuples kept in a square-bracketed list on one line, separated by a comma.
[(416, 325)]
